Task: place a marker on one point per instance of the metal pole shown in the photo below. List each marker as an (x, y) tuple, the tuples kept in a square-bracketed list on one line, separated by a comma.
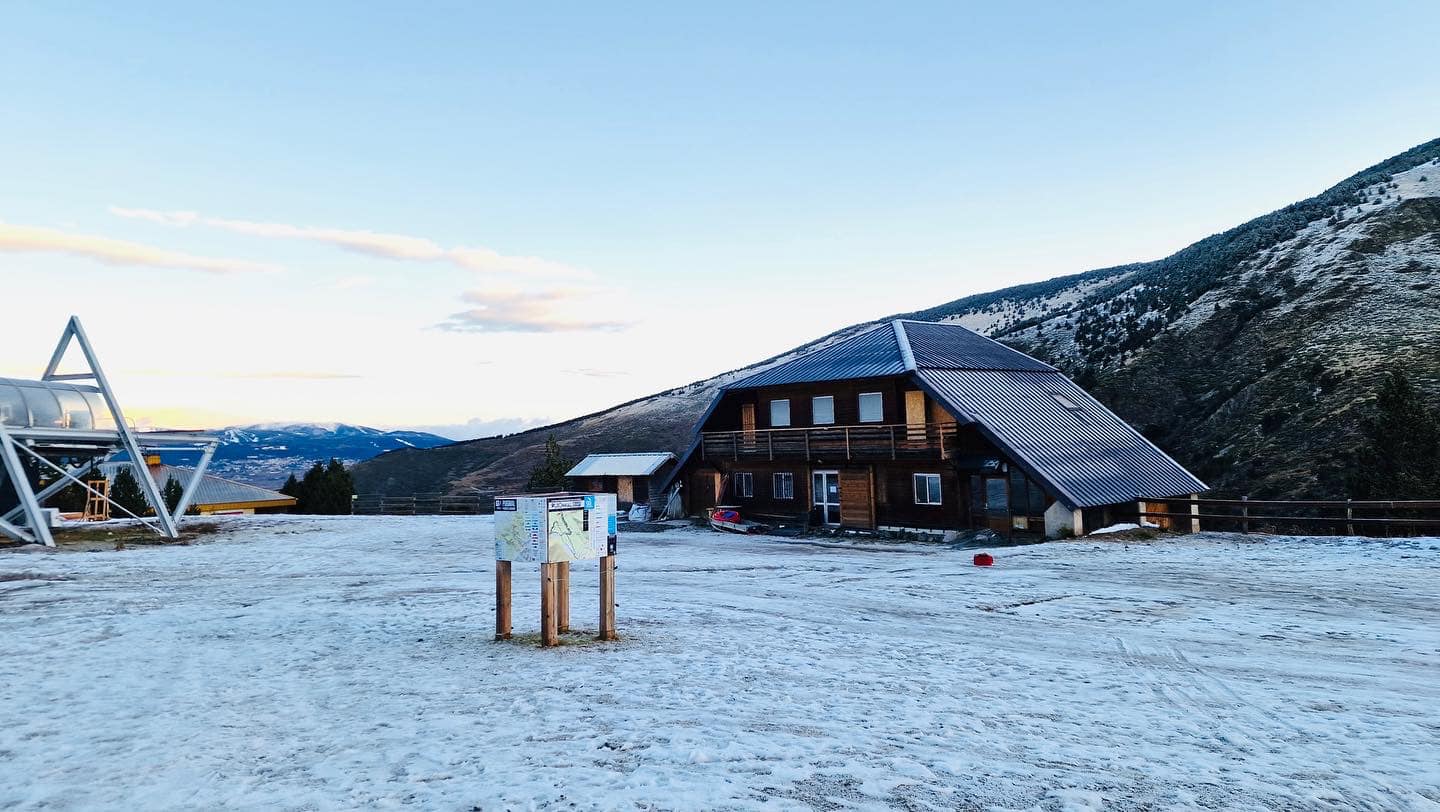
[(39, 528), (194, 484)]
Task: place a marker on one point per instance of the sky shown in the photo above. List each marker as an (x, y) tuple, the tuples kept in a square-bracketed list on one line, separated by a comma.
[(479, 217)]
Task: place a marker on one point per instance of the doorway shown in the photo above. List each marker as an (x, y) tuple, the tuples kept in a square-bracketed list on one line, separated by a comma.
[(990, 502), (825, 485)]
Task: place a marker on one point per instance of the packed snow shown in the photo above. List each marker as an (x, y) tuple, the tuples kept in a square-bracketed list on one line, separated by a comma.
[(308, 663)]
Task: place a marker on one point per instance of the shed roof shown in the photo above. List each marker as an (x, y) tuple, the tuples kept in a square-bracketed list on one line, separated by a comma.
[(1062, 436), (213, 490), (629, 464)]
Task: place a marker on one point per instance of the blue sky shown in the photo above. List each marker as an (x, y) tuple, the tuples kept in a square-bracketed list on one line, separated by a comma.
[(437, 214)]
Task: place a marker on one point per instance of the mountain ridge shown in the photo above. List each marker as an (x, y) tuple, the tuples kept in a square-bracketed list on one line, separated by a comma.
[(1128, 332)]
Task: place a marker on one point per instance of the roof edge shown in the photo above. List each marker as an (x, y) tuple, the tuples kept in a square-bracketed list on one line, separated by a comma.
[(907, 356)]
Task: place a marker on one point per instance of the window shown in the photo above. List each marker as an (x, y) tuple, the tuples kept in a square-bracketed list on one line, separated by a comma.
[(1065, 401), (783, 485), (872, 407), (779, 413), (44, 408), (13, 411), (744, 484), (927, 489), (822, 410)]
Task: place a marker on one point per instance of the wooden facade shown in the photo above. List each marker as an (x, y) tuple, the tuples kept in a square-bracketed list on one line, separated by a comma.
[(875, 453)]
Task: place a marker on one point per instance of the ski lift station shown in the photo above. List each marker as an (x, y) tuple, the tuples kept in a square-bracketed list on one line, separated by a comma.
[(53, 429)]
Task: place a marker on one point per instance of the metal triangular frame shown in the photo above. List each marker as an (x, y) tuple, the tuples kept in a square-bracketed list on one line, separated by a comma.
[(38, 530)]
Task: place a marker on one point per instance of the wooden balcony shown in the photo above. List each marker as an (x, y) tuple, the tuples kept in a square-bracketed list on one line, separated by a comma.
[(897, 441)]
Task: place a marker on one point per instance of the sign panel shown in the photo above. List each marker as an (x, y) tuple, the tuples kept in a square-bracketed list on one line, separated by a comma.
[(555, 527)]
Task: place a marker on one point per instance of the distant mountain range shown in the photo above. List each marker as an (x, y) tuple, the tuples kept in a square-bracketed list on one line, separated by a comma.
[(265, 455), (1250, 355)]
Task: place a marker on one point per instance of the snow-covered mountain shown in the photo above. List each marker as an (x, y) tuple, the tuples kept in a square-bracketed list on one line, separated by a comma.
[(266, 454), (1250, 355)]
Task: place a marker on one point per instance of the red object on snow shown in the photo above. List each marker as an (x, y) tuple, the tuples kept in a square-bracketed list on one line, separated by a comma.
[(726, 516), (984, 559)]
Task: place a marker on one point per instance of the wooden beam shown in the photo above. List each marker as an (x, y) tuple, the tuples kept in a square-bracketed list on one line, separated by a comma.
[(548, 627), (562, 596), (607, 598), (502, 600)]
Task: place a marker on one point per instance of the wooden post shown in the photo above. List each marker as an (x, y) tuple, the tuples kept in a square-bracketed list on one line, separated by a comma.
[(1077, 522), (562, 596), (1194, 513), (1245, 513), (548, 635), (607, 598), (502, 600), (1349, 517)]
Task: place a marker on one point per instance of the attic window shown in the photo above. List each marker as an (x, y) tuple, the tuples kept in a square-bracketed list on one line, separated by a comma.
[(1066, 402)]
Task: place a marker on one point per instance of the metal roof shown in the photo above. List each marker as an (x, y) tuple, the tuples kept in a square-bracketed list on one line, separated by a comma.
[(950, 346), (874, 353), (636, 464), (1051, 427), (212, 490), (1082, 450)]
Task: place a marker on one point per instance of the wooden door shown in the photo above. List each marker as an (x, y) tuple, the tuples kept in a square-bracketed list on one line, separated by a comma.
[(747, 425), (704, 491), (915, 416), (857, 498), (625, 490)]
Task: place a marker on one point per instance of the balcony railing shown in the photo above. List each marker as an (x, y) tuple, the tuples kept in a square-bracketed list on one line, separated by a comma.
[(898, 441)]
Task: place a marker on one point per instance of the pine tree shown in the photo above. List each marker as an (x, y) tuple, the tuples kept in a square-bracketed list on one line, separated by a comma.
[(550, 474), (311, 490), (340, 489), (125, 492), (291, 487), (325, 490), (1400, 458), (172, 493)]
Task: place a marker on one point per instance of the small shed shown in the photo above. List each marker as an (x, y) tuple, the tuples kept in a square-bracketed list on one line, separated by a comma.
[(637, 477)]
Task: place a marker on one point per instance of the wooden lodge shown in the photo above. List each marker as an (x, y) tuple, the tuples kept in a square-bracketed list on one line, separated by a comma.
[(922, 427)]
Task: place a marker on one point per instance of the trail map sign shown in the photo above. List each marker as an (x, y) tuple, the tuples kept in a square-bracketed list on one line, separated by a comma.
[(555, 527)]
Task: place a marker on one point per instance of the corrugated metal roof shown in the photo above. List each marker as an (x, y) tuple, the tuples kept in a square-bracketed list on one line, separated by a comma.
[(874, 353), (1086, 454), (636, 464), (1081, 450), (212, 491), (950, 346)]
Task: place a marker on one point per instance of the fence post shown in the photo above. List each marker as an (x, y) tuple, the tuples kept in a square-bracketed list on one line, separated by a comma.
[(1194, 513), (1245, 512), (1349, 518)]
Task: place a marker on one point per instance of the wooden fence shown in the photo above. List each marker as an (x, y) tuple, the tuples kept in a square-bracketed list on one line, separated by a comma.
[(1348, 516), (423, 504)]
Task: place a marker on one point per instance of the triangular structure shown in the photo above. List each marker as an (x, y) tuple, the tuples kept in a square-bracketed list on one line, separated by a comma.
[(62, 415)]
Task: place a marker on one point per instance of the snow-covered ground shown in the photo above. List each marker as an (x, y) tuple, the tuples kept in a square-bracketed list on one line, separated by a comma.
[(299, 663)]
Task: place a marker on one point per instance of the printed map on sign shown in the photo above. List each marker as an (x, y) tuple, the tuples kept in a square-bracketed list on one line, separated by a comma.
[(573, 536), (518, 532)]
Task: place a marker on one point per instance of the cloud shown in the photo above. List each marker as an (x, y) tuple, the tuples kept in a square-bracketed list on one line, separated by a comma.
[(591, 372), (295, 375), (370, 243), (476, 427), (521, 312), (33, 239)]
